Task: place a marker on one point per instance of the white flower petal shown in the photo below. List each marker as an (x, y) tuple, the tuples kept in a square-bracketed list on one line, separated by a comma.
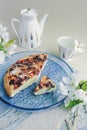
[(61, 84), (74, 78), (66, 80), (85, 98), (79, 94), (66, 102), (63, 89), (76, 83), (70, 81), (5, 35), (71, 95), (2, 30), (6, 40)]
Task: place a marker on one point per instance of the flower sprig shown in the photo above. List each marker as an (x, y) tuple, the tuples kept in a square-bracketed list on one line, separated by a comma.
[(5, 41), (74, 90), (5, 47)]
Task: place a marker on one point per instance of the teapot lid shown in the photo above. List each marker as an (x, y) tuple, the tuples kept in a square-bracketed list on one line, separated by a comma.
[(29, 12)]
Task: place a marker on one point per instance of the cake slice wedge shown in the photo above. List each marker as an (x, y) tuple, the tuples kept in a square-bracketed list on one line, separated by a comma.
[(46, 85), (24, 73)]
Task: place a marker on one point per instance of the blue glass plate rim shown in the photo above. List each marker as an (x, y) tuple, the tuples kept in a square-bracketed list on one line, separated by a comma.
[(42, 108)]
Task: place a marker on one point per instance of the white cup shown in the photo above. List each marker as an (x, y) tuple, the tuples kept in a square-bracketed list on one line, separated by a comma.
[(68, 47)]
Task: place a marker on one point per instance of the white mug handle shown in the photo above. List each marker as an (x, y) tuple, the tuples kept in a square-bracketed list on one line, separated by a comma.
[(12, 23)]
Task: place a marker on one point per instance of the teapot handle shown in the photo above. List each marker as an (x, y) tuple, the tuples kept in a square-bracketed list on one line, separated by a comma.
[(12, 23)]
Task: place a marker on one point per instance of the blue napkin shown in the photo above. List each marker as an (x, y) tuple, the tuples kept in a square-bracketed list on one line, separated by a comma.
[(10, 117), (69, 124)]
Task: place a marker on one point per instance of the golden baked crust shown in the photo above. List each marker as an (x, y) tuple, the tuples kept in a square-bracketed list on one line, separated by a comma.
[(9, 88), (22, 71)]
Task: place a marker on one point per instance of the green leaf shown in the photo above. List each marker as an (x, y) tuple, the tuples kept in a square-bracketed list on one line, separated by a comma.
[(78, 87), (9, 43), (84, 86), (73, 103), (81, 82), (1, 46), (1, 40), (5, 51)]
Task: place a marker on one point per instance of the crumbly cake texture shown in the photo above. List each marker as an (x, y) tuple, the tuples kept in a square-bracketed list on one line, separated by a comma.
[(24, 73), (45, 85)]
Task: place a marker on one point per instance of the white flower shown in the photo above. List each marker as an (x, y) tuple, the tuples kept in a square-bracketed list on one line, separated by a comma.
[(72, 81), (70, 97), (68, 84), (63, 89), (4, 34), (2, 30), (68, 88), (67, 101), (6, 43), (81, 94), (67, 91)]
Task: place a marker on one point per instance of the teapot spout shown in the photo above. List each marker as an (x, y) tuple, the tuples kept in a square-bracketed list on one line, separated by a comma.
[(42, 22)]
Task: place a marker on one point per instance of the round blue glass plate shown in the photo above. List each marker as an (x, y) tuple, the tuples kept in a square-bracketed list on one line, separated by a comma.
[(55, 69)]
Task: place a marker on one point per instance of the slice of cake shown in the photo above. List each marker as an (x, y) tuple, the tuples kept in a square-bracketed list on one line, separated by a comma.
[(24, 73), (45, 85)]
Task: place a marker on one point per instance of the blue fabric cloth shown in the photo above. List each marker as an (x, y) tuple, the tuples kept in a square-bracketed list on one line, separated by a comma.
[(10, 117)]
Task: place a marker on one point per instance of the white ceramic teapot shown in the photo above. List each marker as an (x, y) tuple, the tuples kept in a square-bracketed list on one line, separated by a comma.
[(30, 31)]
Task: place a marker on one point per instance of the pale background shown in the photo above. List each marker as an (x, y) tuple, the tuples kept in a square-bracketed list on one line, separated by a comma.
[(66, 17)]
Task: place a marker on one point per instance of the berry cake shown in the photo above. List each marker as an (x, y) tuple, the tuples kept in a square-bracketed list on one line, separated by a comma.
[(24, 73), (45, 85)]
